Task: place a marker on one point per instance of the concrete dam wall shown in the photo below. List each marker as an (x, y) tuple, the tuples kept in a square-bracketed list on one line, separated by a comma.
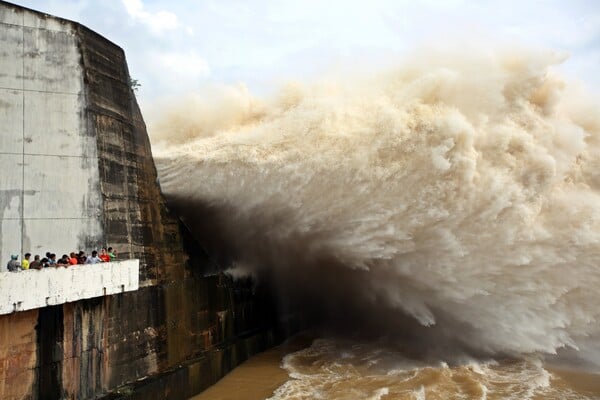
[(76, 172)]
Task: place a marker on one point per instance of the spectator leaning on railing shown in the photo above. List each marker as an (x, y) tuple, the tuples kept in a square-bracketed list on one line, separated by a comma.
[(104, 255), (63, 261), (13, 265), (112, 254), (93, 259), (36, 263), (73, 259), (25, 262), (51, 259)]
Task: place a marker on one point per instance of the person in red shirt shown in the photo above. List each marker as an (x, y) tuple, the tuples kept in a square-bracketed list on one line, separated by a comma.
[(104, 255), (73, 259)]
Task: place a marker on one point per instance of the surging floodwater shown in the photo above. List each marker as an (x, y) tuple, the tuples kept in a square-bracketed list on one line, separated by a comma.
[(341, 369), (449, 207)]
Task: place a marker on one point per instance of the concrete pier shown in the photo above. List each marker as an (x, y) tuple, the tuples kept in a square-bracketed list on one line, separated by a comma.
[(31, 289)]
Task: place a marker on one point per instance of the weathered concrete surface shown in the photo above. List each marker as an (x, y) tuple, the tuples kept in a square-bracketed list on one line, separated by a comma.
[(181, 330), (17, 354), (49, 162), (27, 290)]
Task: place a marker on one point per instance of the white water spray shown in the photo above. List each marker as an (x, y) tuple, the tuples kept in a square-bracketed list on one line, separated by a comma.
[(463, 192)]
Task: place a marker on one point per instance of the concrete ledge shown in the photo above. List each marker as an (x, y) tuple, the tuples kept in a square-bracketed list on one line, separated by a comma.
[(27, 290)]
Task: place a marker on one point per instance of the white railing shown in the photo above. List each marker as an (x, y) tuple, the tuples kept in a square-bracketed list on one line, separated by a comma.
[(26, 290)]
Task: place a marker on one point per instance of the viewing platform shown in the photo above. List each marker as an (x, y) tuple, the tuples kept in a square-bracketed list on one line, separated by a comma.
[(27, 290)]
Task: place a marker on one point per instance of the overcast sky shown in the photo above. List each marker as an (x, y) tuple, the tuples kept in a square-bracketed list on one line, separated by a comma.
[(182, 45)]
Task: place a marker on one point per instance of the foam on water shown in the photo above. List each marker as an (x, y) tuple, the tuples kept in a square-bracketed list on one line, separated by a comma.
[(379, 393), (452, 203), (420, 394), (319, 372)]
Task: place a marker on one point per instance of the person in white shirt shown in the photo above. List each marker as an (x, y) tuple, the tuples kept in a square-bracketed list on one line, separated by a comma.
[(93, 259)]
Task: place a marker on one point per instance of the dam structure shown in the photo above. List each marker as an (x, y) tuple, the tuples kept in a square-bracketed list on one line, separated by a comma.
[(76, 172)]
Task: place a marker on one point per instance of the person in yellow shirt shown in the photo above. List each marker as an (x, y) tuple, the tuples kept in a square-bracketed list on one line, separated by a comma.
[(25, 262)]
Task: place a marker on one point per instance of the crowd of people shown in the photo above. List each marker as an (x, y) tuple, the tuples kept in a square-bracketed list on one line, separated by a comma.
[(106, 255)]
